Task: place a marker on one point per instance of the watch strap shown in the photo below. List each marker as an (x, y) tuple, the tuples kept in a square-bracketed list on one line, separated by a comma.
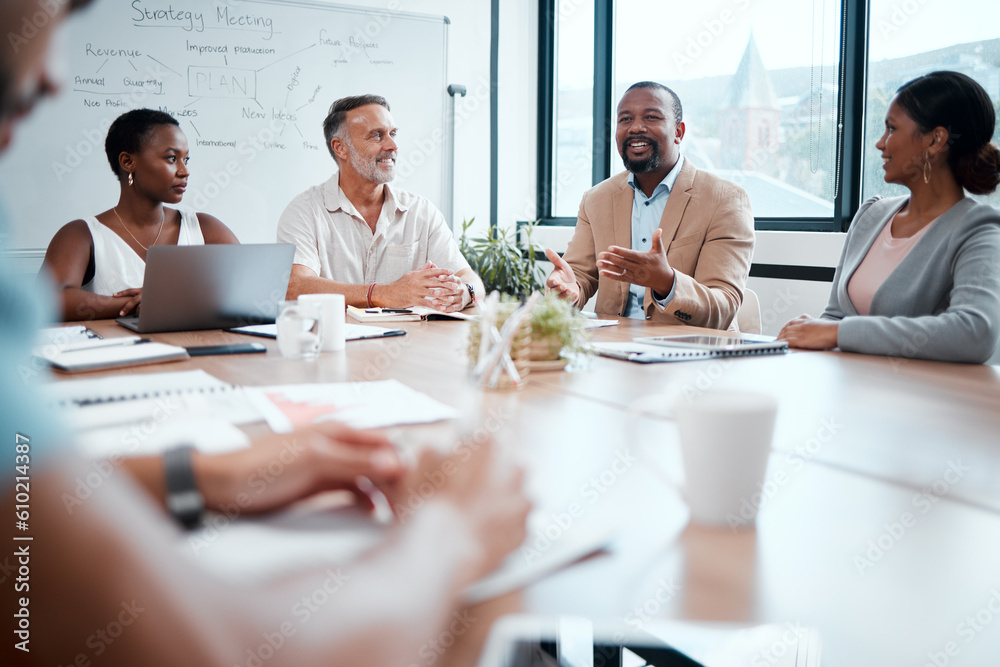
[(184, 500)]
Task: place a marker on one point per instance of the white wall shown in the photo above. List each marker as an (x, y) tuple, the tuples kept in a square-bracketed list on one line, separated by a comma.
[(468, 65), (781, 300)]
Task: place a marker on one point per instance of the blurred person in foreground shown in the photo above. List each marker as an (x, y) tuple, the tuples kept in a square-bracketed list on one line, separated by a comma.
[(111, 563), (919, 276)]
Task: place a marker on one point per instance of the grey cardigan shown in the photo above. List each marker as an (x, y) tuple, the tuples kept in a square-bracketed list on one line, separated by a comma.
[(943, 300)]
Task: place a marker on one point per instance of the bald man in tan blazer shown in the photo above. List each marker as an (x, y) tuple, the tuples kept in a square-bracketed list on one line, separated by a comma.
[(701, 251)]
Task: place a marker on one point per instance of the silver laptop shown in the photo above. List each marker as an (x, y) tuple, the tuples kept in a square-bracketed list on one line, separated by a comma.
[(193, 287)]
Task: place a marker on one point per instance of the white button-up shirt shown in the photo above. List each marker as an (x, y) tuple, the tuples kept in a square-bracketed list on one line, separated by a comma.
[(332, 238)]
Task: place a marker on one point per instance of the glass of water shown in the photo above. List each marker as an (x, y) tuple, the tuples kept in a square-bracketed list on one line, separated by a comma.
[(299, 329)]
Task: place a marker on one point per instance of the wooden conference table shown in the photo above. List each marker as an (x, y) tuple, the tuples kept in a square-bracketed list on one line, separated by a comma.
[(881, 520)]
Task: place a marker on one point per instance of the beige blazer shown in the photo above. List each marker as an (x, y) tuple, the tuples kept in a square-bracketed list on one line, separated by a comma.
[(707, 231)]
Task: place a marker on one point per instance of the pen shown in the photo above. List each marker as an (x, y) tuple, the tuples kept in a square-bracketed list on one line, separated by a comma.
[(387, 310), (394, 332), (104, 342)]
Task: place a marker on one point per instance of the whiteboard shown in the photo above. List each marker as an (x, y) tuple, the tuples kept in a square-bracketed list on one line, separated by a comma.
[(250, 82)]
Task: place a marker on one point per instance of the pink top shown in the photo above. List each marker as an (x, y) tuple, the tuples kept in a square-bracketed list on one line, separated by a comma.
[(883, 257)]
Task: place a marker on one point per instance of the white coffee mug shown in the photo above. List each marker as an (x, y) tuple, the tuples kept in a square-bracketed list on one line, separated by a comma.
[(332, 311), (726, 441)]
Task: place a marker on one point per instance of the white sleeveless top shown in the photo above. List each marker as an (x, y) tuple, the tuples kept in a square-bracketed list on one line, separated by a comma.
[(117, 267)]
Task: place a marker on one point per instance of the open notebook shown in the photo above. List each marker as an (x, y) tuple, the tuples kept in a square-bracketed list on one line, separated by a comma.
[(414, 314)]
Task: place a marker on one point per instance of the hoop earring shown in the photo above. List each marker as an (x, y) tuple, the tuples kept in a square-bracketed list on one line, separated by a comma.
[(131, 181), (927, 167)]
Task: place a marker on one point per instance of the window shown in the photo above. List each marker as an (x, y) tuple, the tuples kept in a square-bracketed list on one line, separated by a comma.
[(573, 105), (742, 77), (772, 91), (907, 39)]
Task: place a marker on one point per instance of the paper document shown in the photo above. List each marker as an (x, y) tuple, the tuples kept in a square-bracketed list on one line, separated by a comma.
[(597, 324), (253, 549), (63, 336), (357, 404), (517, 572), (208, 435)]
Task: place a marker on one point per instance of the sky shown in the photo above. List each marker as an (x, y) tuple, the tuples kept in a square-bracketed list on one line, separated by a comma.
[(676, 39)]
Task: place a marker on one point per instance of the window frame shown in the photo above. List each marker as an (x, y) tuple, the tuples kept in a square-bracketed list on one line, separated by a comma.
[(851, 99)]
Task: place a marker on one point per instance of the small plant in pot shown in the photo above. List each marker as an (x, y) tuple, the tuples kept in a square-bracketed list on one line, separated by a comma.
[(557, 327), (558, 330)]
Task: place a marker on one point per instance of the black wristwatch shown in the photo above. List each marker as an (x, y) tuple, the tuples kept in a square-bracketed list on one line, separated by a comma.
[(472, 293), (184, 500)]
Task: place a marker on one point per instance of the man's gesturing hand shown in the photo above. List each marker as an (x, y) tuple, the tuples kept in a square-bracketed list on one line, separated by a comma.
[(644, 268), (562, 281)]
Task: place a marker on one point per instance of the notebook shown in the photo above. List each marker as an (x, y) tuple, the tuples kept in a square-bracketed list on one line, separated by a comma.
[(657, 349), (134, 387), (150, 397), (97, 354), (187, 288), (414, 314)]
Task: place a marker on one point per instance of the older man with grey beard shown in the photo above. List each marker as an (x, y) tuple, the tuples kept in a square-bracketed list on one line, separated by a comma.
[(357, 236)]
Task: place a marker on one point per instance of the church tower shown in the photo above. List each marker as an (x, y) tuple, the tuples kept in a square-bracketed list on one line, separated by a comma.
[(750, 118)]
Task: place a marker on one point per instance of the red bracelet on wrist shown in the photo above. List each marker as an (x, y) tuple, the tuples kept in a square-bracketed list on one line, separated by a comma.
[(371, 288)]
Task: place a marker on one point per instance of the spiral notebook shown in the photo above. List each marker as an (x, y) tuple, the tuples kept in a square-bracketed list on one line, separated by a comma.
[(129, 415), (658, 349), (136, 386)]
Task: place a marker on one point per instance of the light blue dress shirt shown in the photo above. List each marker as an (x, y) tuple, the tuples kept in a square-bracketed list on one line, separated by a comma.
[(23, 414), (646, 215)]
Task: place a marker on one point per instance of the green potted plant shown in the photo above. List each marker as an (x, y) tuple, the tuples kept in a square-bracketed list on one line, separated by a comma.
[(557, 327), (557, 330), (503, 265)]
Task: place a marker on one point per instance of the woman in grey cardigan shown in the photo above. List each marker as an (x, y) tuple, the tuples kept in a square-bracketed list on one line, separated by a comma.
[(919, 276)]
